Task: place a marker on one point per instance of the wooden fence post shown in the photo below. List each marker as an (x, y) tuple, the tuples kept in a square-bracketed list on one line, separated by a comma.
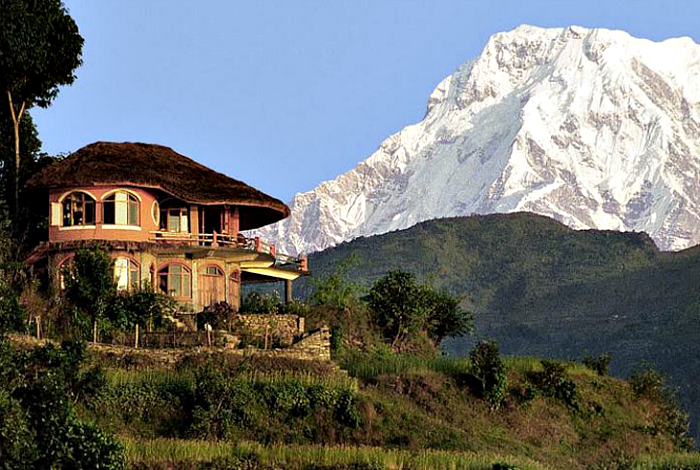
[(136, 337), (267, 332), (94, 331), (38, 327)]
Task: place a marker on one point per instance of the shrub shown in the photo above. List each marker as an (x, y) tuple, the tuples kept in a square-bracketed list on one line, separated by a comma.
[(335, 290), (37, 393), (649, 383), (255, 302), (490, 370), (219, 316), (142, 307), (552, 382), (599, 364)]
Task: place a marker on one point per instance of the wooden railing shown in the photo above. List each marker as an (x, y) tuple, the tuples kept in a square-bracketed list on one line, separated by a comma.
[(214, 239)]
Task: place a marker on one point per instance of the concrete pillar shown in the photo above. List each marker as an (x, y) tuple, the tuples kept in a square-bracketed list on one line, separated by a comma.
[(288, 291)]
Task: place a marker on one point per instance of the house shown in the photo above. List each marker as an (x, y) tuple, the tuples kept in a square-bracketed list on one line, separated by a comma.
[(167, 221)]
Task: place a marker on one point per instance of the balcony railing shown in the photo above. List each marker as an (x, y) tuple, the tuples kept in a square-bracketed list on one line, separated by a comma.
[(214, 239)]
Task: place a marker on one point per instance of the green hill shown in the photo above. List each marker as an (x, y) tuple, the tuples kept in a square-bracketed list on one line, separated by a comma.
[(540, 288)]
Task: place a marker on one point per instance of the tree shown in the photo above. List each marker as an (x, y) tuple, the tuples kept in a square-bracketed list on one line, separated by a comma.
[(445, 317), (397, 304), (401, 307), (89, 283), (40, 48)]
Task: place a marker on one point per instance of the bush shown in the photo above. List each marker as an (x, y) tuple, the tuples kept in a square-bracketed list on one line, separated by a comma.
[(490, 370), (552, 382), (219, 316), (142, 307), (599, 364), (649, 383), (37, 394), (255, 302)]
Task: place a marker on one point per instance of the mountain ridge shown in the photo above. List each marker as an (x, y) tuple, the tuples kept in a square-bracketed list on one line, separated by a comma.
[(593, 127)]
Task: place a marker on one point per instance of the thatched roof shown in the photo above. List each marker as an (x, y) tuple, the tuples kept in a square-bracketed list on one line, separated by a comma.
[(156, 166)]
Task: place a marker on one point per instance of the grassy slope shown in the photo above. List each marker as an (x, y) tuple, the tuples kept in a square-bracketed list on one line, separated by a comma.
[(540, 288), (422, 410)]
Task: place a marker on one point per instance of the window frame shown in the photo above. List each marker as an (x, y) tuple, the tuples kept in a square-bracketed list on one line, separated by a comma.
[(87, 201), (132, 203), (132, 283), (165, 276)]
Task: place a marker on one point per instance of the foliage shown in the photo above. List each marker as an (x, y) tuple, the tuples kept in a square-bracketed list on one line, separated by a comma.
[(218, 315), (334, 289), (401, 308), (41, 48), (647, 382), (256, 302), (490, 370), (552, 382), (13, 279), (227, 405), (37, 396), (599, 364), (142, 307), (396, 302), (89, 285), (445, 318)]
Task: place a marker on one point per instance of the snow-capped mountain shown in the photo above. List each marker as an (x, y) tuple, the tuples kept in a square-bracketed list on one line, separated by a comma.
[(590, 126)]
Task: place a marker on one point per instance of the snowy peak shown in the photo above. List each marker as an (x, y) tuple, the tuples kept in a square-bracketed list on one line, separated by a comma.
[(590, 126)]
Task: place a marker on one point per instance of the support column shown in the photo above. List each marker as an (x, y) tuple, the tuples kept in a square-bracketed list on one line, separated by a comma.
[(287, 291)]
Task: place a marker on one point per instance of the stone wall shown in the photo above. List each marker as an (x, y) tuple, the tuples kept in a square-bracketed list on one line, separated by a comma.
[(312, 346), (282, 329)]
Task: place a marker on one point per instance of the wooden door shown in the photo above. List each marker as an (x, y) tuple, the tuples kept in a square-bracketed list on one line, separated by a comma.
[(211, 286)]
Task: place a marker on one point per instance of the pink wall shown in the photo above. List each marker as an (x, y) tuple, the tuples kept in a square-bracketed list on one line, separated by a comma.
[(101, 232)]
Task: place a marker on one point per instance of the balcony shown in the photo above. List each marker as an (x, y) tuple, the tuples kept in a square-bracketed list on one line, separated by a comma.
[(240, 242)]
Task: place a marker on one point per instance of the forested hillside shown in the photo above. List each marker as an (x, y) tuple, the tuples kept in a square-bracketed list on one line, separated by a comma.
[(540, 288)]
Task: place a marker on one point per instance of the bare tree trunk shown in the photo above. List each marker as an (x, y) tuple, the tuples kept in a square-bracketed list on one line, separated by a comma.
[(16, 117)]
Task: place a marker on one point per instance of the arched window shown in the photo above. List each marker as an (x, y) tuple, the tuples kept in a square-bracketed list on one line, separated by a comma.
[(126, 274), (78, 210), (120, 208), (175, 280)]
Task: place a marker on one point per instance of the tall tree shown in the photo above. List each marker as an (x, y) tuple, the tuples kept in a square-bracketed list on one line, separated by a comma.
[(40, 48)]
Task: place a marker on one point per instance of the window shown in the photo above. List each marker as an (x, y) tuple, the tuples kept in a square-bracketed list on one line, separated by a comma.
[(155, 213), (174, 219), (63, 270), (120, 208), (78, 209), (213, 271), (175, 280), (126, 274)]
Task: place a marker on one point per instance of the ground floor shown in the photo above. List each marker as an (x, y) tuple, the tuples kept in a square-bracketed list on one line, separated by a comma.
[(196, 276)]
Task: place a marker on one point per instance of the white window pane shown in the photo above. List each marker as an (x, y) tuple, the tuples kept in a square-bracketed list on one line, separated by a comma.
[(121, 273)]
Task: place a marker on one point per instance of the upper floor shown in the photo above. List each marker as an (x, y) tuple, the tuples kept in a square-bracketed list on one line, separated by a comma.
[(149, 193)]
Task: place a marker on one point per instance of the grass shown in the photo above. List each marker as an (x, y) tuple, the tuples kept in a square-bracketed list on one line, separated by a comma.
[(173, 450), (669, 462), (186, 377)]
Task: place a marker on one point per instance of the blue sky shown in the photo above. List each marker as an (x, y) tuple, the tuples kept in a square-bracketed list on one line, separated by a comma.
[(286, 94)]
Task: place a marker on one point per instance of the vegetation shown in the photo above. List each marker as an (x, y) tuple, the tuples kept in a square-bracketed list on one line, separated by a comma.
[(401, 309), (39, 425), (41, 48), (540, 288), (490, 371)]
